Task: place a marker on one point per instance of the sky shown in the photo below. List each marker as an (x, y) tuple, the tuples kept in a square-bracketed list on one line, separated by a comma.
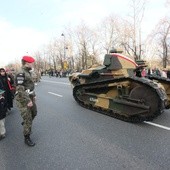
[(27, 25)]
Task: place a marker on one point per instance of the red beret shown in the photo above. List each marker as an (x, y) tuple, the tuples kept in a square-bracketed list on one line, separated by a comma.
[(28, 59)]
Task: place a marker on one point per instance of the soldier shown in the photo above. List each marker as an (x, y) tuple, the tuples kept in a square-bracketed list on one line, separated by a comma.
[(25, 97)]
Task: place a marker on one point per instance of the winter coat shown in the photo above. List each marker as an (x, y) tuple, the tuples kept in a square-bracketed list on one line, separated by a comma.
[(4, 85), (3, 109)]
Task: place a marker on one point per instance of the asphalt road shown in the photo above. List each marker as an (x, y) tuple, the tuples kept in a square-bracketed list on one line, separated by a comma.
[(69, 137)]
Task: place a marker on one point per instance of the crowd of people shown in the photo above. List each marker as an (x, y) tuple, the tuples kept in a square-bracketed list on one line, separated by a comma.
[(58, 73), (7, 90), (144, 72)]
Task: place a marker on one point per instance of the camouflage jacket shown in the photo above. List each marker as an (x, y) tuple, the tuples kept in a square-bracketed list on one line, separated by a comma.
[(24, 85)]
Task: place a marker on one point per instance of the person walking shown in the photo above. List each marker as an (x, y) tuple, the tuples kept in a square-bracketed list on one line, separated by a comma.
[(3, 111), (25, 97)]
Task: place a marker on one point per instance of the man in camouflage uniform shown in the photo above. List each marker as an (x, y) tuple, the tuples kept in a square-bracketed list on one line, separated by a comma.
[(25, 97)]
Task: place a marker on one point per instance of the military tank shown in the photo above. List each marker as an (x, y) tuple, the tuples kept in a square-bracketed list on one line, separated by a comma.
[(114, 90)]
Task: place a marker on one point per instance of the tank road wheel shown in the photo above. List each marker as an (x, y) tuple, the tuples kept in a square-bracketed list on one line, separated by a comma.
[(148, 97)]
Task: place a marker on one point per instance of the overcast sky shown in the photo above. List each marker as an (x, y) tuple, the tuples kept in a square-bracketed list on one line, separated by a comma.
[(25, 25)]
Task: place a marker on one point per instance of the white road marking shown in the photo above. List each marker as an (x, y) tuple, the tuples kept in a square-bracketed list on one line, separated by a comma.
[(157, 125), (55, 94), (55, 82)]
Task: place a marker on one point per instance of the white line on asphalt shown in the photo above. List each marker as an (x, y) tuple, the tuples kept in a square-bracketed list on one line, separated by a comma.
[(55, 94), (55, 82), (157, 125)]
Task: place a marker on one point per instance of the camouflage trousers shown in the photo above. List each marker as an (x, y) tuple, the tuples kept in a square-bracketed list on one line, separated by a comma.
[(28, 114)]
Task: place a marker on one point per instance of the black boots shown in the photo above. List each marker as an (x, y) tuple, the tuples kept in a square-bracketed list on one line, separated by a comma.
[(28, 141)]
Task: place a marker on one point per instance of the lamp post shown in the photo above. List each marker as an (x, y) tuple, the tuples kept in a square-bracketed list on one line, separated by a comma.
[(65, 63), (64, 46)]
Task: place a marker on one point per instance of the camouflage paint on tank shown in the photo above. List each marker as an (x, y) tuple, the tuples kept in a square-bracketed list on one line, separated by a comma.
[(113, 97)]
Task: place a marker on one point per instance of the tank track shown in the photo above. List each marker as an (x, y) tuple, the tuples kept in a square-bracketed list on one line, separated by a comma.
[(163, 81), (160, 79), (134, 119)]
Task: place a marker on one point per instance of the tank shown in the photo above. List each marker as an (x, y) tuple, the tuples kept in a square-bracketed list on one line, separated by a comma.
[(114, 90)]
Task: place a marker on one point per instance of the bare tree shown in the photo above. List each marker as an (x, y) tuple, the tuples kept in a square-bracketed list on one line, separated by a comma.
[(83, 36), (138, 8), (51, 56), (108, 33), (58, 50), (126, 37), (94, 48), (39, 62), (161, 36)]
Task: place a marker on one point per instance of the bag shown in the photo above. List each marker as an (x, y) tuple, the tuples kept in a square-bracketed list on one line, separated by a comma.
[(12, 89)]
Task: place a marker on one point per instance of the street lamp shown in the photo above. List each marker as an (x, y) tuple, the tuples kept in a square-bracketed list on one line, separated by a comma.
[(64, 46)]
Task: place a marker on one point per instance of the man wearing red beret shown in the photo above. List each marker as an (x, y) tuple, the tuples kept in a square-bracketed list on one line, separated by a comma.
[(25, 97)]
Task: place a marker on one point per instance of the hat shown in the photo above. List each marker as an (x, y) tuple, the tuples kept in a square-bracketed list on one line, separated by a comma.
[(1, 91), (28, 59)]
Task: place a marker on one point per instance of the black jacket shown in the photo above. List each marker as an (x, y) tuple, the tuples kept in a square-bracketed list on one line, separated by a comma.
[(3, 109), (8, 94)]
